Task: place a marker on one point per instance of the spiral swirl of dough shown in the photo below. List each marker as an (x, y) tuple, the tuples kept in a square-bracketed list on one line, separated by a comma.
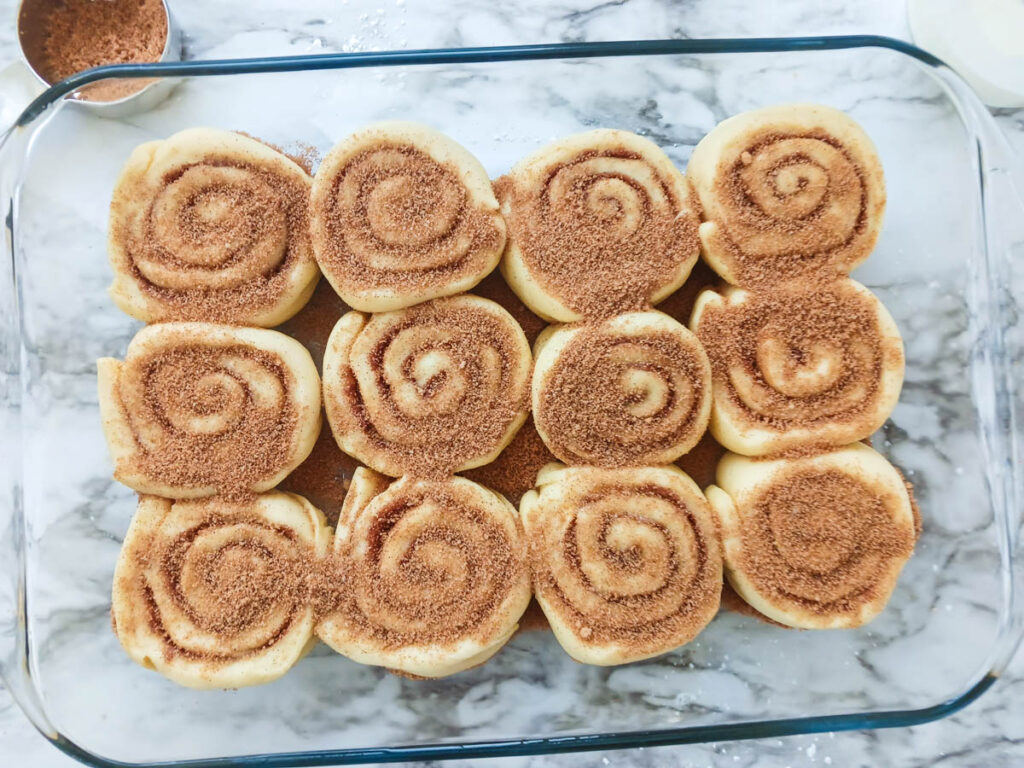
[(626, 562), (212, 594), (211, 225), (599, 223), (787, 191), (631, 390), (402, 214), (429, 390), (799, 367), (815, 542), (197, 409), (436, 574)]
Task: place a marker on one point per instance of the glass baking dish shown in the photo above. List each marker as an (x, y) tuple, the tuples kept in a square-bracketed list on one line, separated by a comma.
[(944, 266)]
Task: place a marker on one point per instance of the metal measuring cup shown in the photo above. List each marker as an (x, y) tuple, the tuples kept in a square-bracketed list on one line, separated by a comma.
[(31, 14)]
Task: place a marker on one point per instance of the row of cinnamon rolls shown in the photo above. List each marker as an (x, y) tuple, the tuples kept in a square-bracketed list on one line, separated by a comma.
[(214, 226), (431, 577), (197, 409)]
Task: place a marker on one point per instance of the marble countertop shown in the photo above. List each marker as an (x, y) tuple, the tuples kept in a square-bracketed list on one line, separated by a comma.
[(988, 733)]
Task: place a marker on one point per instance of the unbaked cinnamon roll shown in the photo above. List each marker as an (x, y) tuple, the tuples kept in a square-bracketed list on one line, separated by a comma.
[(599, 223), (402, 214), (631, 390), (211, 225), (436, 575), (626, 562), (213, 593), (798, 366), (789, 191), (197, 409), (816, 542), (429, 390)]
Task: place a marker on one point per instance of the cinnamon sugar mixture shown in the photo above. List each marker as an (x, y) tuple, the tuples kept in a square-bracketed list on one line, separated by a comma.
[(733, 603), (266, 212), (584, 410), (454, 580), (687, 576), (495, 288), (679, 305), (702, 460), (396, 218), (515, 470), (311, 326), (232, 589), (324, 477), (178, 384), (81, 34), (305, 155), (800, 319), (435, 442), (573, 243), (823, 540)]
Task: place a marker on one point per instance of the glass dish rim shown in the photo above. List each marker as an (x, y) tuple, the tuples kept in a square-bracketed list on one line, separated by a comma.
[(1012, 617)]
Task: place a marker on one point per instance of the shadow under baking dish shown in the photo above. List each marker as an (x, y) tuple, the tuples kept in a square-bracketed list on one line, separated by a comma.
[(942, 267)]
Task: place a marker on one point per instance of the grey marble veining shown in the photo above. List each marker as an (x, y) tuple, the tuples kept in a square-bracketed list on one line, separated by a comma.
[(940, 621)]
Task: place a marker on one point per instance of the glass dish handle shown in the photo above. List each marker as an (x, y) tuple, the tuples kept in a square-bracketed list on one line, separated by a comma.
[(1001, 348), (15, 666)]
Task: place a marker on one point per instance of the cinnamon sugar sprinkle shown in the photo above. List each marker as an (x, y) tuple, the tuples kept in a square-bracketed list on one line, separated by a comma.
[(584, 410), (433, 598), (227, 591), (305, 155), (396, 218), (801, 245), (434, 442), (515, 470), (572, 245), (679, 305), (324, 477), (799, 319), (495, 288), (701, 461), (655, 620), (733, 603), (311, 326), (183, 382), (267, 211), (822, 540)]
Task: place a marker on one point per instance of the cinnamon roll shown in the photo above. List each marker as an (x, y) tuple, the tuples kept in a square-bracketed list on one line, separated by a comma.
[(599, 223), (211, 225), (436, 575), (798, 366), (631, 390), (816, 542), (429, 390), (402, 214), (626, 562), (212, 593), (788, 191), (197, 409)]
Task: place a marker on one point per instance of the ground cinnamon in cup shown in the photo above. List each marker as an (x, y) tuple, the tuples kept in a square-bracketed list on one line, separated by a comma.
[(80, 34)]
